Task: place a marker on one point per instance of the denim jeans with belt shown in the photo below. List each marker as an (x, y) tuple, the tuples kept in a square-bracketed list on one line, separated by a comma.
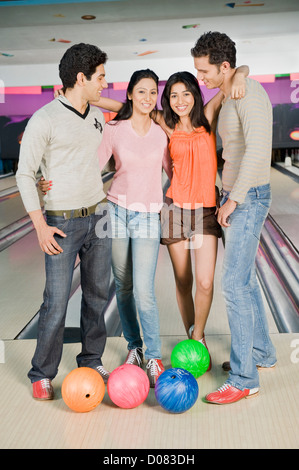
[(250, 341), (135, 248), (95, 267)]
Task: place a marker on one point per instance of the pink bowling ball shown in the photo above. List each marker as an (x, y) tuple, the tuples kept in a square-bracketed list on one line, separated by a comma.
[(128, 386)]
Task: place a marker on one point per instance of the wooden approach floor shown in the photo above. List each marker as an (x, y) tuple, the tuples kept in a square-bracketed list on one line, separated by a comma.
[(268, 421)]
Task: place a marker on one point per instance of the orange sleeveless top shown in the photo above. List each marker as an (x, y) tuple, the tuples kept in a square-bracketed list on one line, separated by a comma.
[(194, 170)]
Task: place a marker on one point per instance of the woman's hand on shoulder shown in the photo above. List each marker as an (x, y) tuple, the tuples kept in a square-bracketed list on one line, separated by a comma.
[(238, 87), (158, 118), (239, 83), (59, 92)]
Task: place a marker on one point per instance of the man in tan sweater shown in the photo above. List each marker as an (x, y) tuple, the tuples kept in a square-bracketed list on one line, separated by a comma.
[(245, 127), (62, 138)]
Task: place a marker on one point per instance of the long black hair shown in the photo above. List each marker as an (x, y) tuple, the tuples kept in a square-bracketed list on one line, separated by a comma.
[(127, 110), (197, 115)]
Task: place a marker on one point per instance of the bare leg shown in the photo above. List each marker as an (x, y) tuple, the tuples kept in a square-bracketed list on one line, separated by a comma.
[(205, 260), (181, 263)]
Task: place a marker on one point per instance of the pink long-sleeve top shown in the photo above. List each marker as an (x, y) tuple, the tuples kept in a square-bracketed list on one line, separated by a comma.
[(137, 182)]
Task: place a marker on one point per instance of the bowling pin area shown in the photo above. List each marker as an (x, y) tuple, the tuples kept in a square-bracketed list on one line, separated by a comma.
[(269, 421)]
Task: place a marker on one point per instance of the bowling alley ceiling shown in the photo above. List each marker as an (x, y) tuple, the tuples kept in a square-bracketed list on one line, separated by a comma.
[(39, 31)]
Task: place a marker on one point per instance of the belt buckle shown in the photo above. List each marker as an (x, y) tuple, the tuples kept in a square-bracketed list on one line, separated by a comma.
[(83, 212)]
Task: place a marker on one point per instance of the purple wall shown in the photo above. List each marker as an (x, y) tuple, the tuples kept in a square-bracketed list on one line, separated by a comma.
[(15, 111), (279, 92)]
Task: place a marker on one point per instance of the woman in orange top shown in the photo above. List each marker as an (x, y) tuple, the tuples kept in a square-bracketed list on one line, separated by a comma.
[(188, 218)]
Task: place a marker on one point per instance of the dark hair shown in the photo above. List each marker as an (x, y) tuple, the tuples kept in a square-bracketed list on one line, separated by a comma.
[(127, 110), (197, 115), (218, 46), (83, 58)]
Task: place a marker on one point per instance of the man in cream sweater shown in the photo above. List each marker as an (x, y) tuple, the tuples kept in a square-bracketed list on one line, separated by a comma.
[(245, 127), (62, 139)]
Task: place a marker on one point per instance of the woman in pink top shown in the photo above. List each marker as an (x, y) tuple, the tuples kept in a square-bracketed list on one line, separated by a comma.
[(140, 149)]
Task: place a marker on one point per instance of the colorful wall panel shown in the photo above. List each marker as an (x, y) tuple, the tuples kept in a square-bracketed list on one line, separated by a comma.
[(16, 107)]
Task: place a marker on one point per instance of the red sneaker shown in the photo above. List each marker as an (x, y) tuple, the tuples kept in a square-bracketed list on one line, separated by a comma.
[(43, 390), (154, 369), (229, 394)]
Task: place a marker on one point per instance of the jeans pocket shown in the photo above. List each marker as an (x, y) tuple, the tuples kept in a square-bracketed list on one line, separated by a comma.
[(265, 202), (262, 210), (57, 221)]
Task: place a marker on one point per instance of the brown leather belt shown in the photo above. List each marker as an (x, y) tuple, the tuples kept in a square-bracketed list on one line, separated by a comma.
[(73, 213)]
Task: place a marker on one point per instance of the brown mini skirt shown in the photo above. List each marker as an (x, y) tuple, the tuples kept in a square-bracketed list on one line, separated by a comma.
[(179, 224)]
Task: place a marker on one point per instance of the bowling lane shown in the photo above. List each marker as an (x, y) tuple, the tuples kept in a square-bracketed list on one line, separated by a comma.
[(11, 205), (285, 204), (22, 278), (7, 182)]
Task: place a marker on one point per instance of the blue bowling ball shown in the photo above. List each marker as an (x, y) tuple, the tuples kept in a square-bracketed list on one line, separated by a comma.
[(176, 390)]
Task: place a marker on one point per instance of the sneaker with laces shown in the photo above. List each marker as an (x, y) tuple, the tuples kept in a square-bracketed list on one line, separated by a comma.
[(154, 369), (229, 394), (135, 357), (43, 390), (103, 373)]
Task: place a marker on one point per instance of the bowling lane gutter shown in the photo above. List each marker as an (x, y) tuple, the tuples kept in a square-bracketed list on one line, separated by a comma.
[(277, 265)]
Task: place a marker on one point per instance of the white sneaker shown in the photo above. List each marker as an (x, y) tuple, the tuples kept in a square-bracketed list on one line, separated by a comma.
[(134, 357), (103, 373)]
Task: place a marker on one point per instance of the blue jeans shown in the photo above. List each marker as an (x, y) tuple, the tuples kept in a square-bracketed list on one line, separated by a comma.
[(95, 267), (135, 248), (250, 341)]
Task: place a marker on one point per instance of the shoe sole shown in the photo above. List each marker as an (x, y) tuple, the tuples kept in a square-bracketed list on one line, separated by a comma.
[(253, 394), (43, 399), (266, 368), (226, 367)]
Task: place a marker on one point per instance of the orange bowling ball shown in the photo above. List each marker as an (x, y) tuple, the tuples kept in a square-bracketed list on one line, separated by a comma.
[(83, 389)]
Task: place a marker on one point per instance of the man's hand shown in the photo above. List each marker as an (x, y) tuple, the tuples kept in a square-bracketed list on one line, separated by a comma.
[(225, 211), (45, 233), (47, 241)]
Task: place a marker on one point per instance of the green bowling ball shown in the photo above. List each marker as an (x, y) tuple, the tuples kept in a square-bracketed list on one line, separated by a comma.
[(192, 356)]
